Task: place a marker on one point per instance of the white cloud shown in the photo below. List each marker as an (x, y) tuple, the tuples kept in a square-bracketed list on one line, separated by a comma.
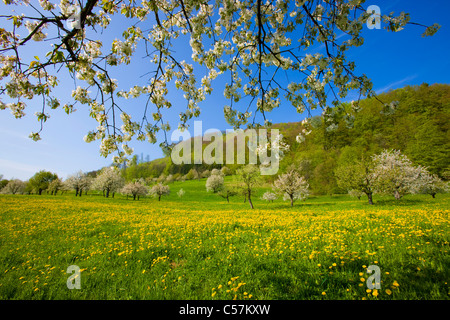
[(395, 84)]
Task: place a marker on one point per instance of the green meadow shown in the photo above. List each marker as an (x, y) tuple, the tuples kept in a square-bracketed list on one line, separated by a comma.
[(201, 247)]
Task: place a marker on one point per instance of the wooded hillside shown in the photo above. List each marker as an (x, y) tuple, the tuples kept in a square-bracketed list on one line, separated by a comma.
[(414, 119)]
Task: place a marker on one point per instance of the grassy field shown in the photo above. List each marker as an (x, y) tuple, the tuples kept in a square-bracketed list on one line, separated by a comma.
[(201, 247)]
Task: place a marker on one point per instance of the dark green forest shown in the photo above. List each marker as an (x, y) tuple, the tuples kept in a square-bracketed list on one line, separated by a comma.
[(413, 119)]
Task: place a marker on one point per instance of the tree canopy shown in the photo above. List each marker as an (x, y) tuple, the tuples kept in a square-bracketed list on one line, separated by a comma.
[(252, 44)]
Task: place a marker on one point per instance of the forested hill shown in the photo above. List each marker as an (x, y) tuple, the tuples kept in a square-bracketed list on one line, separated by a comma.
[(414, 119)]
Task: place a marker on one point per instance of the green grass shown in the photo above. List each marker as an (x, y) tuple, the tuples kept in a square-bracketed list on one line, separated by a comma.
[(200, 246)]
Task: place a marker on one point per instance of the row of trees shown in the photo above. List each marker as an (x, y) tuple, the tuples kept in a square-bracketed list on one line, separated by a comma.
[(389, 172), (109, 181), (41, 181), (131, 173), (291, 185)]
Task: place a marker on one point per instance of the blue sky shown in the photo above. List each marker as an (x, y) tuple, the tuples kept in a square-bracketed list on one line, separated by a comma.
[(390, 60)]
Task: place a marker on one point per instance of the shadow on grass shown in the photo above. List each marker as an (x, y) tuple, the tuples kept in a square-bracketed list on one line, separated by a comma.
[(398, 203), (297, 206)]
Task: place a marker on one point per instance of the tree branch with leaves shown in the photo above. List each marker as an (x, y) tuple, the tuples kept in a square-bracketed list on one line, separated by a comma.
[(258, 47)]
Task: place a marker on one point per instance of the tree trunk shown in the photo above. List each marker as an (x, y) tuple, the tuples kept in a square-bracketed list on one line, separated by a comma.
[(369, 196), (134, 197), (433, 195), (159, 198), (40, 191), (76, 192), (81, 192), (292, 199), (250, 200), (107, 193)]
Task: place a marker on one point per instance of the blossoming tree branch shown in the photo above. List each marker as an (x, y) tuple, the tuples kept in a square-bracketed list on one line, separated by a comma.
[(256, 46)]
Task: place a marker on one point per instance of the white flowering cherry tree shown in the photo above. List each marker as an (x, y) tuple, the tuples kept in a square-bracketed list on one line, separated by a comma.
[(393, 173), (214, 183), (253, 44), (78, 182), (292, 186), (269, 196), (108, 181), (135, 189), (159, 190)]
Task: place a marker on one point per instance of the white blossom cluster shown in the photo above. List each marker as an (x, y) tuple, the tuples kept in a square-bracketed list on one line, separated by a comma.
[(269, 196), (159, 190), (135, 189), (292, 186), (276, 145), (393, 173), (215, 181), (109, 181)]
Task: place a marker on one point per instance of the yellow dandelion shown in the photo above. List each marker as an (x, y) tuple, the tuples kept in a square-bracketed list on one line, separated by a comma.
[(324, 293), (375, 293), (213, 294), (388, 292)]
